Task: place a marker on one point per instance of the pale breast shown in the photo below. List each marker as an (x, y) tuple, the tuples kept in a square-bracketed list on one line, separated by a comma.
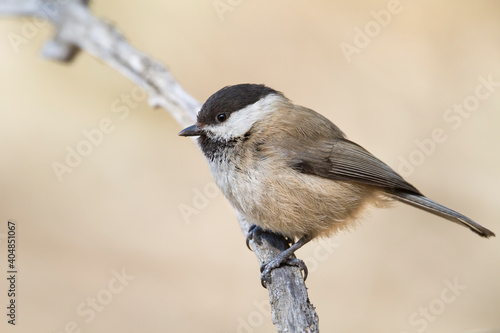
[(285, 201), (259, 183), (243, 189)]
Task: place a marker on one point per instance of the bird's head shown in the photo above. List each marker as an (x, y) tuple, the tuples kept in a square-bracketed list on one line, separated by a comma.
[(232, 111)]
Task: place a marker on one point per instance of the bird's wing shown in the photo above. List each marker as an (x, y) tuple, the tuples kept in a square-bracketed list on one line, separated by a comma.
[(312, 144), (344, 160)]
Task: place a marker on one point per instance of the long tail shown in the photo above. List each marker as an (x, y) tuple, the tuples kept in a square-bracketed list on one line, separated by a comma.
[(433, 207)]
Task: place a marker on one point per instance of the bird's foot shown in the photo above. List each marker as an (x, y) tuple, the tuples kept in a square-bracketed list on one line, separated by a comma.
[(284, 258), (255, 233), (278, 261)]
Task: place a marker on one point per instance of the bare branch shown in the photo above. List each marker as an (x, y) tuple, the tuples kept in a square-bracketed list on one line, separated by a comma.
[(78, 29), (291, 309)]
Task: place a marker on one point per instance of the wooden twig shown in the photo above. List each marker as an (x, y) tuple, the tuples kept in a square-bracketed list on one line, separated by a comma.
[(78, 29)]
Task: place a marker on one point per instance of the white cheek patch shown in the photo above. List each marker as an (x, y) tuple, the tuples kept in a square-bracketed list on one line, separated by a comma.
[(241, 121)]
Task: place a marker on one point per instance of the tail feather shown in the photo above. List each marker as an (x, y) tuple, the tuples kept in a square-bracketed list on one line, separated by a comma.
[(433, 207)]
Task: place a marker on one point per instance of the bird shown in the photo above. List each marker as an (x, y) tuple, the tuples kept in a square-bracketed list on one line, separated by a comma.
[(294, 173)]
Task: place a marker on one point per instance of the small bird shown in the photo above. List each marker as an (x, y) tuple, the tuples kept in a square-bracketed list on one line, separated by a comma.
[(292, 172)]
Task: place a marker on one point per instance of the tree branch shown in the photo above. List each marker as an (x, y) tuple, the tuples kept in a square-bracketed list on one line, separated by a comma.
[(78, 29)]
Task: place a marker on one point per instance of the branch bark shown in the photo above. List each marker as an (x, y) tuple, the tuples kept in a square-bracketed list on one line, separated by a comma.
[(76, 28)]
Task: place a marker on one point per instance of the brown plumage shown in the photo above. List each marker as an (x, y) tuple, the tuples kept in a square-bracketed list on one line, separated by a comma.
[(267, 190), (292, 171)]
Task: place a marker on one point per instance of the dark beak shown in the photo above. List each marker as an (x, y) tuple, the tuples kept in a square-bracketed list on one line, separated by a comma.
[(193, 130)]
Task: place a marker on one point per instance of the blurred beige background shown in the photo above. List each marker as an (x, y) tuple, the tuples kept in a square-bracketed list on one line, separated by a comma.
[(119, 212)]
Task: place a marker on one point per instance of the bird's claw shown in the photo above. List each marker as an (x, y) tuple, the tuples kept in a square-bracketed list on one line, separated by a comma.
[(276, 262), (254, 232)]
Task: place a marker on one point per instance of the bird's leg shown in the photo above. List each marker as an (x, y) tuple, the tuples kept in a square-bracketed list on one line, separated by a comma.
[(284, 258), (254, 232)]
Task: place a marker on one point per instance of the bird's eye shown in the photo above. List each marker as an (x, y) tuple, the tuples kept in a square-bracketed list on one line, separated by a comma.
[(221, 117)]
